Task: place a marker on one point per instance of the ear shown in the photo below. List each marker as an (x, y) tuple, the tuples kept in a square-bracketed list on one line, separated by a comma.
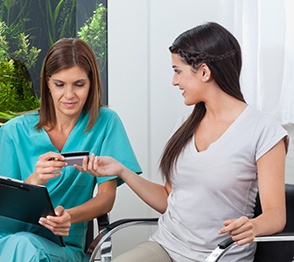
[(47, 83), (205, 72)]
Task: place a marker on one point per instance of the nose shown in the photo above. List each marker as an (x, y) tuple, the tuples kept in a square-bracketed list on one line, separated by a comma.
[(69, 92), (175, 80)]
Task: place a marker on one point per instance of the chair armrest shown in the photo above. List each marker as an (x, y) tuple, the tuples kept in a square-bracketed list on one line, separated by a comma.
[(228, 243), (109, 230), (119, 224), (289, 236)]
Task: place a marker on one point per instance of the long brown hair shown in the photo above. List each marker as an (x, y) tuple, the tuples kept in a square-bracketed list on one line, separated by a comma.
[(215, 46), (64, 54)]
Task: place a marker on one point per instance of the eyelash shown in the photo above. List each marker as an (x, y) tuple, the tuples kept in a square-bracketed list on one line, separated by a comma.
[(62, 85), (79, 84)]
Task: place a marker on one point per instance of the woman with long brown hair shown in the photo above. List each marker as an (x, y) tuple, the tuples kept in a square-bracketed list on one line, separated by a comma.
[(71, 118)]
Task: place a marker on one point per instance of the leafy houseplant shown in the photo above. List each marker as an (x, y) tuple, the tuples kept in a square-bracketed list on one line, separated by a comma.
[(94, 33), (16, 91)]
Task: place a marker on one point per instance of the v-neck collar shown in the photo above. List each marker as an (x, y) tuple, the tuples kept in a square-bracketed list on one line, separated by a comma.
[(72, 135), (223, 136)]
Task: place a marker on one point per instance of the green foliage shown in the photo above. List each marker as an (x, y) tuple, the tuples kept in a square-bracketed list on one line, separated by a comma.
[(94, 33), (14, 17), (60, 19), (16, 92), (4, 46), (18, 48), (26, 54)]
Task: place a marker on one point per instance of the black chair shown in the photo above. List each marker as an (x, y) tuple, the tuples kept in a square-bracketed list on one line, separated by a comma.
[(274, 248), (102, 252), (279, 251), (91, 242)]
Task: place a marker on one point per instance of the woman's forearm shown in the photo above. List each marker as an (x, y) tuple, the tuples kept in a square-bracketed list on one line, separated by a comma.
[(97, 206), (153, 194), (270, 222)]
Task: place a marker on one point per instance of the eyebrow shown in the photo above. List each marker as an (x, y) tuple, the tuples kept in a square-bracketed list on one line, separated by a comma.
[(78, 80)]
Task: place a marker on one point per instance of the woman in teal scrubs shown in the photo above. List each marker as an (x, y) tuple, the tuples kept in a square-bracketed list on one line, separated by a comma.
[(70, 118)]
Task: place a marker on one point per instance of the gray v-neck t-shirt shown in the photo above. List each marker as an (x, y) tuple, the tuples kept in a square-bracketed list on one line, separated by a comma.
[(214, 185)]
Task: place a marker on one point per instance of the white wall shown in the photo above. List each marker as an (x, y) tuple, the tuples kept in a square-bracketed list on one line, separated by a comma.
[(140, 89), (129, 96)]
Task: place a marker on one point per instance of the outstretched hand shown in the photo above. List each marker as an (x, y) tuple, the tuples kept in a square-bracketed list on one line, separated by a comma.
[(101, 166), (241, 230), (59, 224)]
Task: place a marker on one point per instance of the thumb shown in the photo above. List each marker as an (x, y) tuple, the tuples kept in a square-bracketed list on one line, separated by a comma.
[(59, 210)]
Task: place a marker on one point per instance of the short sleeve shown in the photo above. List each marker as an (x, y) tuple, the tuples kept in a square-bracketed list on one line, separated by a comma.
[(117, 145), (270, 133), (9, 162)]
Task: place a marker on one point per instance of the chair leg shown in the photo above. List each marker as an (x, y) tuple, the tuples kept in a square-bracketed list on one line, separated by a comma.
[(105, 252)]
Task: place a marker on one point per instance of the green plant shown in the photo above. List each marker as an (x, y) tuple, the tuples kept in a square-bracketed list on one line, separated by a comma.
[(94, 33), (26, 54), (4, 46), (13, 15), (60, 18), (16, 92), (19, 48)]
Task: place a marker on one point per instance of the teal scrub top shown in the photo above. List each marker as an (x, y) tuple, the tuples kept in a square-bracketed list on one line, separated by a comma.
[(22, 144)]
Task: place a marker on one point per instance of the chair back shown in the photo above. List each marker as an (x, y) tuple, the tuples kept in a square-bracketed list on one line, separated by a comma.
[(278, 251)]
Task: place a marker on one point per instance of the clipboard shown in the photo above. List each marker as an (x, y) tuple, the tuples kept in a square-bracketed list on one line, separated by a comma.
[(21, 206)]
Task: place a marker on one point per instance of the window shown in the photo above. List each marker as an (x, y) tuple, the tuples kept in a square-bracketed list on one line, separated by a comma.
[(27, 30)]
